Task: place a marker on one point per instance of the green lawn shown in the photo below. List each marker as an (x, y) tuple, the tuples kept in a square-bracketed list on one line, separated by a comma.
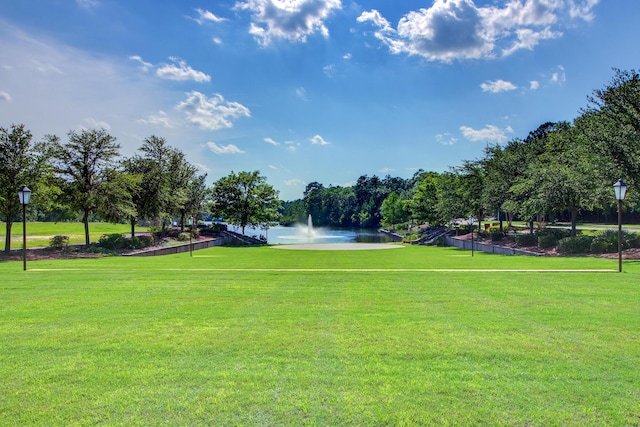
[(39, 233), (260, 336)]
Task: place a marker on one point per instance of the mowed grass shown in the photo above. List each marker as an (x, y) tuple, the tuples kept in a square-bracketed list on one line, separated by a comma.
[(262, 336), (40, 233)]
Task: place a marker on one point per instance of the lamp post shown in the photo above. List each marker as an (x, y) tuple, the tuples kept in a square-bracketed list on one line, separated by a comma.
[(24, 194), (190, 236), (620, 189), (471, 218)]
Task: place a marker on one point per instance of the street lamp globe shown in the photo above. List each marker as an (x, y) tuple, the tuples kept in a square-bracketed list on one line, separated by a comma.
[(620, 188), (24, 194)]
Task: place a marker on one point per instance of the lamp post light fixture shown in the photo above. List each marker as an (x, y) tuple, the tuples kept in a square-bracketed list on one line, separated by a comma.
[(24, 195), (471, 218), (620, 189)]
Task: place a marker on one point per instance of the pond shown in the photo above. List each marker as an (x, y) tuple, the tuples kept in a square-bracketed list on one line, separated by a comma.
[(301, 234)]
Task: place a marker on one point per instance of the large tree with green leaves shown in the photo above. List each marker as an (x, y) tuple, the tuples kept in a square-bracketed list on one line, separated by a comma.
[(612, 120), (245, 199), (21, 163), (86, 165)]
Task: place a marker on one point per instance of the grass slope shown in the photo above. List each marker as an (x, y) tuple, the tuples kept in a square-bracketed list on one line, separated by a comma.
[(313, 338)]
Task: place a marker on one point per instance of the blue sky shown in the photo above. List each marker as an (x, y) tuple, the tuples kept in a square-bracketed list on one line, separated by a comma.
[(309, 90)]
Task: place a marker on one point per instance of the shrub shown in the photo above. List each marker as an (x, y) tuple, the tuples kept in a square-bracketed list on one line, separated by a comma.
[(59, 242), (547, 241), (575, 245), (497, 235), (605, 242), (182, 237), (526, 240), (558, 233), (632, 239), (112, 242)]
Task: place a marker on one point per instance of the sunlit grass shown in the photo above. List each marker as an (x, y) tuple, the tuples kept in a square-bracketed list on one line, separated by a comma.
[(40, 233), (260, 336)]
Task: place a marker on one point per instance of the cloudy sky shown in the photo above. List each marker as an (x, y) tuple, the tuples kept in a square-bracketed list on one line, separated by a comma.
[(309, 90)]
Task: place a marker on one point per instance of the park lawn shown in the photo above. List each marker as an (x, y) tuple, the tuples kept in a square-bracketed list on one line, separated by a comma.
[(39, 233), (261, 336)]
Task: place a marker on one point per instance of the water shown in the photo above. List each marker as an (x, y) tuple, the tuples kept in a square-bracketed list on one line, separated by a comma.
[(302, 234)]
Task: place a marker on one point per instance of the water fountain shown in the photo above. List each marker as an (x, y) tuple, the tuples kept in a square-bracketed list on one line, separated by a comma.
[(310, 232)]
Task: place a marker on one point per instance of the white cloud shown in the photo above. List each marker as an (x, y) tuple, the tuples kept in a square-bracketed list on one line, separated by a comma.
[(458, 29), (160, 119), (217, 40), (318, 140), (4, 96), (386, 170), (202, 167), (302, 93), (206, 16), (224, 149), (295, 182), (490, 133), (87, 4), (146, 66), (271, 141), (497, 86), (292, 20), (97, 124), (211, 113), (329, 70), (272, 167), (446, 139), (559, 76), (179, 70), (534, 85), (346, 56)]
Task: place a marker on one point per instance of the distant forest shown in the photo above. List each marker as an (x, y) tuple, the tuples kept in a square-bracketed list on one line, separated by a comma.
[(560, 171)]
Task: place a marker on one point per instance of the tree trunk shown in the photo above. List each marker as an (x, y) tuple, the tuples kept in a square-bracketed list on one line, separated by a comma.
[(574, 219), (7, 239), (132, 220), (85, 221)]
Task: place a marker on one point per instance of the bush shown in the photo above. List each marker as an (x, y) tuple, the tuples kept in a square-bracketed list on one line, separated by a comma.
[(605, 242), (632, 239), (112, 241), (496, 236), (547, 241), (526, 240), (59, 242), (575, 245), (557, 233), (139, 242), (182, 237)]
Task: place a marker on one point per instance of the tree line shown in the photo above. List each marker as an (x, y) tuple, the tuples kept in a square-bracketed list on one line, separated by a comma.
[(86, 178), (560, 170)]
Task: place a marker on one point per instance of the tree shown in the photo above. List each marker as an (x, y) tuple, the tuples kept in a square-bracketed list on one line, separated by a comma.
[(393, 210), (85, 163), (245, 199), (615, 125), (21, 163), (424, 202)]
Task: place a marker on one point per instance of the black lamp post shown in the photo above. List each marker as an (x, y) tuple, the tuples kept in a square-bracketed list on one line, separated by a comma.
[(190, 236), (24, 194), (620, 189), (471, 218)]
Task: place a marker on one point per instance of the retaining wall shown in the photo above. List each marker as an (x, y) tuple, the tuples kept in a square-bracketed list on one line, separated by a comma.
[(180, 248), (485, 247)]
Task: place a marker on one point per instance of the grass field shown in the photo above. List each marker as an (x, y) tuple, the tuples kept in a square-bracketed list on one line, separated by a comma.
[(258, 336), (39, 233)]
